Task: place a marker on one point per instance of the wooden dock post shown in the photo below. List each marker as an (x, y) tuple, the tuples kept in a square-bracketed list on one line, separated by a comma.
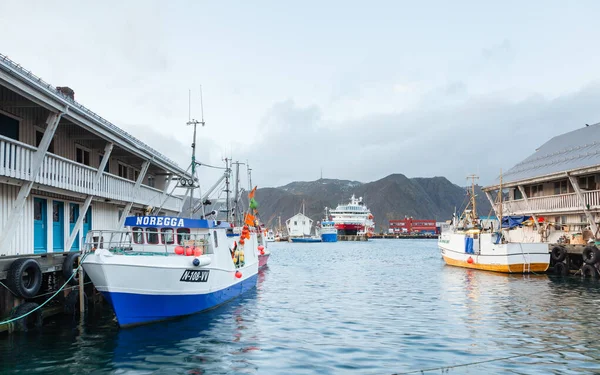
[(81, 294)]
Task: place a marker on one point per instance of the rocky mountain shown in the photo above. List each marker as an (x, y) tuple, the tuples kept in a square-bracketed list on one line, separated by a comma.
[(392, 197)]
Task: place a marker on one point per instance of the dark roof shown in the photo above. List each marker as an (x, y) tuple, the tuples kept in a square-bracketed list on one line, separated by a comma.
[(567, 152)]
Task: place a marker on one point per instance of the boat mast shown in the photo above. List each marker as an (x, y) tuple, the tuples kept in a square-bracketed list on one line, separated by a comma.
[(228, 172), (236, 194), (473, 202), (194, 122), (500, 194)]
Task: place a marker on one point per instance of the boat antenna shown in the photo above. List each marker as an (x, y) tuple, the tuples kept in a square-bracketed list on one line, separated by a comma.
[(195, 122)]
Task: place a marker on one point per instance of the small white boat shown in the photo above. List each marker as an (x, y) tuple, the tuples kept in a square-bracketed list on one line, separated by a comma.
[(466, 243), (270, 236), (162, 267)]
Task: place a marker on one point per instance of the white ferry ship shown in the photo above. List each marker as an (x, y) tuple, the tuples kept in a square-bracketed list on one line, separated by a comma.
[(353, 218)]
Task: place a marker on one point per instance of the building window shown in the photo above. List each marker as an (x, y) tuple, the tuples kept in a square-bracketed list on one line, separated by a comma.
[(560, 187), (107, 167), (167, 236), (518, 194), (537, 190), (123, 171), (38, 139), (9, 127), (136, 174), (587, 183), (152, 236), (151, 181), (82, 155)]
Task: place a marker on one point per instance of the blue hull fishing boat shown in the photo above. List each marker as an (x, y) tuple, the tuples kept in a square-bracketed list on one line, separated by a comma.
[(162, 267)]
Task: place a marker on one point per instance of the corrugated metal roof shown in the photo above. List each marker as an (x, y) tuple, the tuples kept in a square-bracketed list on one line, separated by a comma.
[(570, 151)]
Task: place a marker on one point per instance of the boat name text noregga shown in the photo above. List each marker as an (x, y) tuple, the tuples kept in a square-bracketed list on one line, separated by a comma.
[(159, 221), (195, 276)]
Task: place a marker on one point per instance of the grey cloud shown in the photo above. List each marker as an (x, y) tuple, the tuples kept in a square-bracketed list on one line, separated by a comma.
[(481, 135)]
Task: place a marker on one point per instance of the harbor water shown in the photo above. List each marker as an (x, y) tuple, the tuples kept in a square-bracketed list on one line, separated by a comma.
[(384, 306)]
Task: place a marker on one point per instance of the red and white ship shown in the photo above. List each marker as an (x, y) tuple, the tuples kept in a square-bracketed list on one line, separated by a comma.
[(353, 218)]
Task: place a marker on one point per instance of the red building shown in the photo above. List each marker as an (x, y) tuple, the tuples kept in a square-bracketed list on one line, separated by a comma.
[(410, 225)]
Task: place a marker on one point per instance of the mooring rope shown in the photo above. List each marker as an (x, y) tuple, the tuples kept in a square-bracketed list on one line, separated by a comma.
[(49, 299), (450, 367)]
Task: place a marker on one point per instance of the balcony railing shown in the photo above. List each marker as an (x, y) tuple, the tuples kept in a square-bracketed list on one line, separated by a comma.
[(552, 204), (62, 173)]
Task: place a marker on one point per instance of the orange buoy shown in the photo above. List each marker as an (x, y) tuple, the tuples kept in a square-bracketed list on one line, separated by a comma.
[(470, 260), (241, 241), (198, 251), (261, 247), (238, 274), (179, 250), (189, 251)]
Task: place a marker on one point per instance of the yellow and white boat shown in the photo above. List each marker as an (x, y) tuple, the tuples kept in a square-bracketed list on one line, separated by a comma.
[(466, 243)]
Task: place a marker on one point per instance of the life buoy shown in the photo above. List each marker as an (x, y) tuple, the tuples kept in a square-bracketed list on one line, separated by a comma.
[(69, 266), (558, 253), (590, 254), (33, 320), (25, 277)]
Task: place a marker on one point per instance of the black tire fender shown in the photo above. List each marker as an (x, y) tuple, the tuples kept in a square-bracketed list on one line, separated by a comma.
[(561, 269), (69, 265), (71, 306), (590, 254), (24, 277), (558, 253), (589, 271), (33, 320)]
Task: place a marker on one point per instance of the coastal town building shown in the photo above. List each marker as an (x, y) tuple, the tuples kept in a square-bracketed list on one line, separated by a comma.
[(555, 190)]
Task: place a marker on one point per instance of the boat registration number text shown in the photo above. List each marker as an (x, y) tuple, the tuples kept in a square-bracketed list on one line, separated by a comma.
[(195, 276)]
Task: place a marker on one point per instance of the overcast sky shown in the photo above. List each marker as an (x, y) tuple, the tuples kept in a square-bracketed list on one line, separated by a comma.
[(359, 89)]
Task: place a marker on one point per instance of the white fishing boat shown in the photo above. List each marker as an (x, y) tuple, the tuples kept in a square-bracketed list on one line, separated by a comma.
[(162, 267), (467, 243)]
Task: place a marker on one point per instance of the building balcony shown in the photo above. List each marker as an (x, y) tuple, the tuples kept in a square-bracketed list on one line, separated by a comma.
[(61, 173), (560, 203)]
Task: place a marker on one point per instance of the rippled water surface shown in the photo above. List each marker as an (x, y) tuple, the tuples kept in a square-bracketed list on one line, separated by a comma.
[(382, 307)]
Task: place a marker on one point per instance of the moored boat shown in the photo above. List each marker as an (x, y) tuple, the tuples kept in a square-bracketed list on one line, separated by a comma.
[(308, 239), (467, 243), (163, 267), (326, 229), (353, 218)]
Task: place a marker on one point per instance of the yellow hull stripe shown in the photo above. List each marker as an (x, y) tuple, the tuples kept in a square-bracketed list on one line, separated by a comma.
[(512, 268)]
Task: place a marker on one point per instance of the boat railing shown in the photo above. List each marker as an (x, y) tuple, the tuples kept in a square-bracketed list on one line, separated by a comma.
[(128, 242)]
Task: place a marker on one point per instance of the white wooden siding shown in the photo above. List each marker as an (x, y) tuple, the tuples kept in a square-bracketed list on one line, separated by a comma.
[(23, 238)]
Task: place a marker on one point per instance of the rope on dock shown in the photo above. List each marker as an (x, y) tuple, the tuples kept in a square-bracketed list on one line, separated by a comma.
[(49, 299), (446, 368)]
